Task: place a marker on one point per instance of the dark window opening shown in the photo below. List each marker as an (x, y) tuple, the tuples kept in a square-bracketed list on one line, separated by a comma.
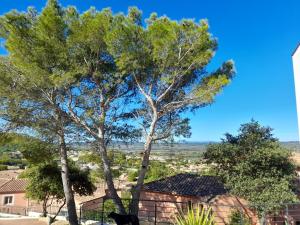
[(8, 200)]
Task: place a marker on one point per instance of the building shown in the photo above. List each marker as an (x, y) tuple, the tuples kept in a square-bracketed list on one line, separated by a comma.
[(13, 199), (296, 66), (12, 196), (164, 198)]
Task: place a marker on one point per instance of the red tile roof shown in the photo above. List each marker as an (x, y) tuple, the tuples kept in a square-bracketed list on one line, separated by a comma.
[(14, 185), (3, 181)]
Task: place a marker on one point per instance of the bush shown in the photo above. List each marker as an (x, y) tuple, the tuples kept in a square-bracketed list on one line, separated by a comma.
[(126, 198), (109, 206), (238, 217), (198, 216), (132, 175), (3, 167)]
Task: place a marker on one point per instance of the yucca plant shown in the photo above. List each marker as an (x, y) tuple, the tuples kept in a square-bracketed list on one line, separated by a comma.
[(197, 216)]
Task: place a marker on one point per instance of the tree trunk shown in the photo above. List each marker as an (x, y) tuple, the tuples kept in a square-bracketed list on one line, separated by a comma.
[(136, 191), (52, 219), (106, 164), (45, 207), (73, 220), (109, 179)]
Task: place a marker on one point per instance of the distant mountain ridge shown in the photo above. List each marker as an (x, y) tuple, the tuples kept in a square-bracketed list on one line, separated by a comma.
[(182, 146), (292, 145)]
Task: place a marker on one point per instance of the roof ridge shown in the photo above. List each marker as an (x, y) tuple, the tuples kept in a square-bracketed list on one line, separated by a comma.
[(178, 174), (9, 180), (188, 184), (163, 178)]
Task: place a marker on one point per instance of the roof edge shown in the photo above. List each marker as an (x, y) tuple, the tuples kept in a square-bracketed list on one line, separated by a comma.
[(178, 174), (94, 199), (298, 46)]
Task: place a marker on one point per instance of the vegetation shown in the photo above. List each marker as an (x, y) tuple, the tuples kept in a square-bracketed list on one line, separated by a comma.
[(45, 185), (89, 75), (19, 150), (157, 170), (32, 78), (120, 164), (3, 167), (237, 218), (198, 216), (167, 61), (254, 166), (117, 159)]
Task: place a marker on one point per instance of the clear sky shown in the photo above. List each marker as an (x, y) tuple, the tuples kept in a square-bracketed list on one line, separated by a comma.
[(259, 35)]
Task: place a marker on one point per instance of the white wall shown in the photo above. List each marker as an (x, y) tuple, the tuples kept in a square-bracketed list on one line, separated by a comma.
[(296, 66)]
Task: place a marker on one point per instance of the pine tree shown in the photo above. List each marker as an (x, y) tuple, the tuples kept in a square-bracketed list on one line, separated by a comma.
[(168, 62)]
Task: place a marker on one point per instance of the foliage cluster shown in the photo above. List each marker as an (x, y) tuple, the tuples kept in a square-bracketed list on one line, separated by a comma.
[(254, 166), (105, 77), (157, 170), (237, 218)]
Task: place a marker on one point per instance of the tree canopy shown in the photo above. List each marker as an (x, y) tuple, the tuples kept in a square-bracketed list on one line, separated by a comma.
[(167, 61), (106, 77), (254, 166), (45, 184)]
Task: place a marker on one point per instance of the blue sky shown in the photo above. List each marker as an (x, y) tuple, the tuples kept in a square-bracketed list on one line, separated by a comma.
[(259, 35)]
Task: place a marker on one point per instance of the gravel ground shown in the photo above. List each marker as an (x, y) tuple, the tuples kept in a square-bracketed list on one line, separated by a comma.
[(22, 222)]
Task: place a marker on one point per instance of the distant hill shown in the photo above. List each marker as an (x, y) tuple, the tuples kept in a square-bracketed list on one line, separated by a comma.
[(292, 145), (176, 147), (136, 147), (190, 146)]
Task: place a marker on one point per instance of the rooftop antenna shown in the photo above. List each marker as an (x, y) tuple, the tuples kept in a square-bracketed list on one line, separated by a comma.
[(296, 66)]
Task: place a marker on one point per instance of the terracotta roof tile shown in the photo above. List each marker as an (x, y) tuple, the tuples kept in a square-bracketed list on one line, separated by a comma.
[(14, 185), (188, 185), (3, 181)]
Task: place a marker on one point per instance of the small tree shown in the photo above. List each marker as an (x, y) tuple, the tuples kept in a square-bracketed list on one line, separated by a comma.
[(254, 166), (167, 61), (45, 185)]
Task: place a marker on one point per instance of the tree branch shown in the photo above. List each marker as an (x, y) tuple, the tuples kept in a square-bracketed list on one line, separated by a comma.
[(149, 99), (59, 209), (77, 119), (172, 106)]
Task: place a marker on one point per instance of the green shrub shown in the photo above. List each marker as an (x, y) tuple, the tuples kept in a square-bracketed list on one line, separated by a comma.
[(132, 175), (109, 206), (126, 198), (237, 217), (3, 167), (198, 216)]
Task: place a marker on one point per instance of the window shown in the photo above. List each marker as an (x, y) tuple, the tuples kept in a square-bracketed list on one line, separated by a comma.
[(8, 200)]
